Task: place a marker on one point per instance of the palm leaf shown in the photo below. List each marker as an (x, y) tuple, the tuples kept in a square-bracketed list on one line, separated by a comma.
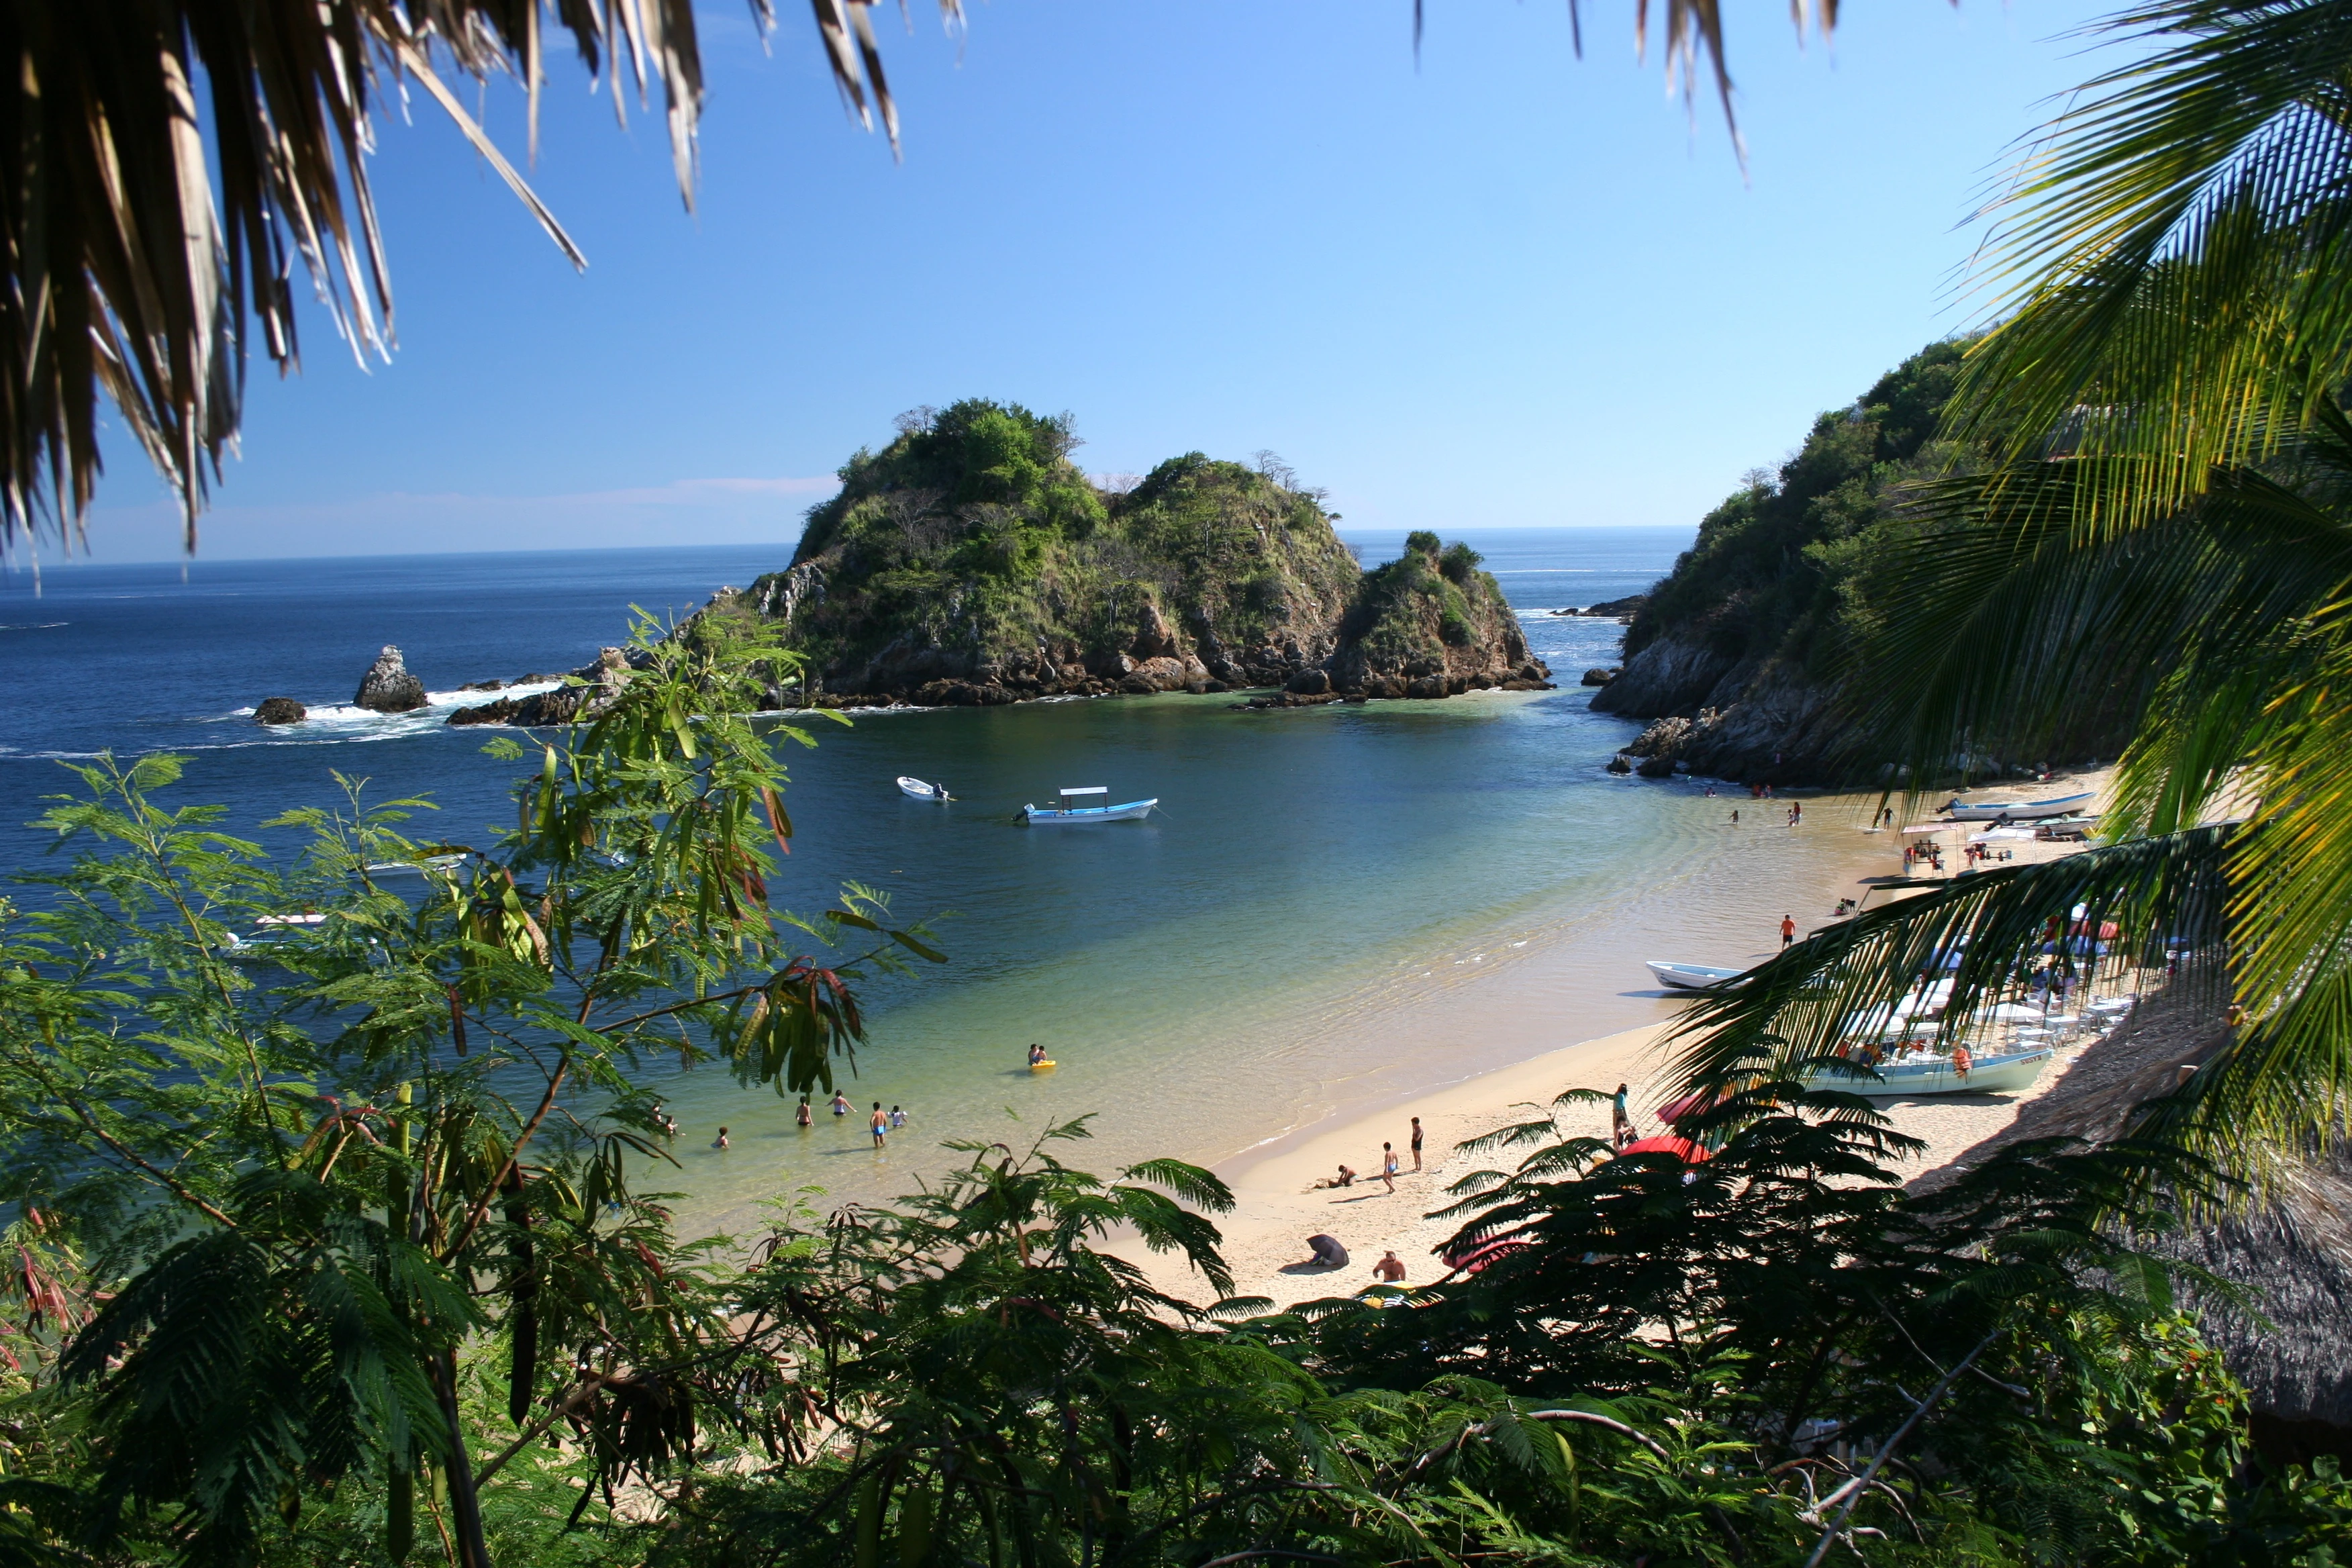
[(2168, 253), (149, 237)]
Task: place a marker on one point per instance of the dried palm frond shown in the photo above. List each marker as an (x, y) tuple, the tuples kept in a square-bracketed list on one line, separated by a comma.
[(171, 160)]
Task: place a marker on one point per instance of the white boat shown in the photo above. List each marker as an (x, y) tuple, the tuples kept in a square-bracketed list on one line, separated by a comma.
[(922, 791), (1691, 976), (2017, 810), (410, 867), (1074, 808), (1934, 1075)]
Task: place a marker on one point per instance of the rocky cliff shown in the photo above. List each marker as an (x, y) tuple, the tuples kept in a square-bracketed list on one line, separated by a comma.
[(1739, 655), (969, 561), (1735, 653)]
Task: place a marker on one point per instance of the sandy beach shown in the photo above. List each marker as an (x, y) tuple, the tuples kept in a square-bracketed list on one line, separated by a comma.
[(1277, 1206)]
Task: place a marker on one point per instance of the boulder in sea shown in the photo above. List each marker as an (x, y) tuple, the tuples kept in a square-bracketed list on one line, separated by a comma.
[(1599, 675), (279, 710), (388, 688)]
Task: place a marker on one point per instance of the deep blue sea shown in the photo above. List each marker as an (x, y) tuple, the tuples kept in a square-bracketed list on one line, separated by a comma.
[(1233, 966)]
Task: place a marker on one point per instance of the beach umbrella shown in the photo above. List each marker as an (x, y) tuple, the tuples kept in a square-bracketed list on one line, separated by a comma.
[(1674, 1110), (1682, 1149)]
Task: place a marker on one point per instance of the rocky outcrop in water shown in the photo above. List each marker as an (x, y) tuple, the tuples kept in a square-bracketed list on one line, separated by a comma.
[(279, 710), (970, 563), (388, 688), (586, 692)]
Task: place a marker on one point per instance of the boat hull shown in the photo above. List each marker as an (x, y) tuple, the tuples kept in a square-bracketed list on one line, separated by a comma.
[(1901, 1081), (1134, 810), (1691, 976), (2017, 810), (920, 790)]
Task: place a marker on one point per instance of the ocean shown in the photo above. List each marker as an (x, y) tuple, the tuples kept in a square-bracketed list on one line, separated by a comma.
[(1308, 923)]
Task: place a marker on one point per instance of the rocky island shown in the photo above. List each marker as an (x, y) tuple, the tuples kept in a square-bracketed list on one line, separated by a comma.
[(970, 562)]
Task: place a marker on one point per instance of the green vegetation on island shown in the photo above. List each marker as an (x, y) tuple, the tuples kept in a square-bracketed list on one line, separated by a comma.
[(971, 561), (1747, 647)]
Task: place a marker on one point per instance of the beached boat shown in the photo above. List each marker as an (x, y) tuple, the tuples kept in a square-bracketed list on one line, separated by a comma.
[(922, 791), (1934, 1075), (2017, 810), (1074, 808), (1691, 976)]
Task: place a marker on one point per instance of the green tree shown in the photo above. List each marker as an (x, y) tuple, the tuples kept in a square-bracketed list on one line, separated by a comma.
[(321, 1173)]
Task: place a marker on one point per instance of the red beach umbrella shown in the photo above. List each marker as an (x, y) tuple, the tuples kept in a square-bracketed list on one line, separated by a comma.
[(1682, 1149)]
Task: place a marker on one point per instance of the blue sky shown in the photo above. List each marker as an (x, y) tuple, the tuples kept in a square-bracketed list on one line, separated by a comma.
[(1507, 287)]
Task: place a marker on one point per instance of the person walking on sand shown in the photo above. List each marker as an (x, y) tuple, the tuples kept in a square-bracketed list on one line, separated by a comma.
[(1388, 1165), (1788, 931), (1389, 1269), (804, 1115), (1416, 1143), (880, 1124)]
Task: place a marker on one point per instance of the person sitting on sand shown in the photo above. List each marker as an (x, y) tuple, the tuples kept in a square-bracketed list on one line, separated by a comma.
[(1389, 1269), (1327, 1251), (1345, 1178)]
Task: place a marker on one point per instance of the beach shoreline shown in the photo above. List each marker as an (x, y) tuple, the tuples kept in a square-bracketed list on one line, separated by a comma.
[(1277, 1207)]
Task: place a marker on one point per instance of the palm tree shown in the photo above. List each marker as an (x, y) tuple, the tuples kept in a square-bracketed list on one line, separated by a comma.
[(170, 160), (2167, 522)]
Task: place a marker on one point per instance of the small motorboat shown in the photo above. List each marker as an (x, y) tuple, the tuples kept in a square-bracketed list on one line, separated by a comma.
[(922, 791), (2017, 810), (270, 932), (1935, 1075), (1692, 977), (1074, 808)]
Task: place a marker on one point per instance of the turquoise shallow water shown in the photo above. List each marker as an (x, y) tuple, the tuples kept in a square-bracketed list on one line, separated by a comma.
[(1333, 905)]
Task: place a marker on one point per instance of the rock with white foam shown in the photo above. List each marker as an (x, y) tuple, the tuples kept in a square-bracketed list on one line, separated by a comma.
[(388, 688)]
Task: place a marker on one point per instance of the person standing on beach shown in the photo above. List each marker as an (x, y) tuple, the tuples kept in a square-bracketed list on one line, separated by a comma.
[(1416, 1143), (880, 1124), (1389, 1269), (1788, 931), (1388, 1165), (1621, 1120)]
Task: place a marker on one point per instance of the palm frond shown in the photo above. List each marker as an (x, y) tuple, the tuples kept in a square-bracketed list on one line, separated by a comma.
[(1789, 1017), (2167, 253), (147, 234), (2004, 620)]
